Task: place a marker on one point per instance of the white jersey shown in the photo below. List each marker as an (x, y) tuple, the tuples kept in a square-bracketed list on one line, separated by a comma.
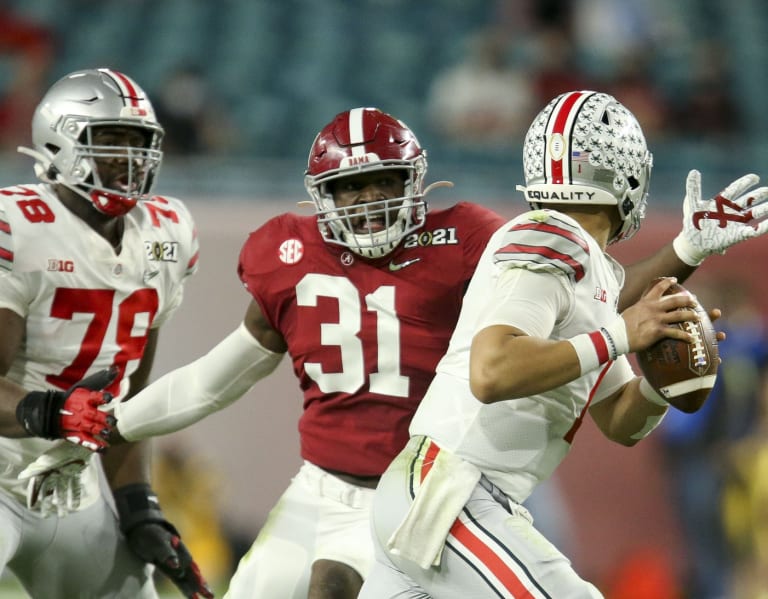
[(86, 307), (519, 442)]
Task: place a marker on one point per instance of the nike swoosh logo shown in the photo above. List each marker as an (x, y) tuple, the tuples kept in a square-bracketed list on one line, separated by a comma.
[(393, 267), (150, 274)]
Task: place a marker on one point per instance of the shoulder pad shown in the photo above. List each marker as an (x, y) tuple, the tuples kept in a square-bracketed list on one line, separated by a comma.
[(543, 241)]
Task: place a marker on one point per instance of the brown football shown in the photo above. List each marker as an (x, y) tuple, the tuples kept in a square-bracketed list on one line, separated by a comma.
[(683, 373)]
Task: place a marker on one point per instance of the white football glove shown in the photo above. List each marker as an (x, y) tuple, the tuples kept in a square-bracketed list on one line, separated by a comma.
[(712, 226), (53, 479)]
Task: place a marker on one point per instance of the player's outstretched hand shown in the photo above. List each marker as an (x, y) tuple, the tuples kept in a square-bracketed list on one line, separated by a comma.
[(73, 414), (153, 539), (712, 226)]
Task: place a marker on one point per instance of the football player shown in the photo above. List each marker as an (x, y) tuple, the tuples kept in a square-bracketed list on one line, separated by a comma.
[(534, 351), (363, 296), (91, 265)]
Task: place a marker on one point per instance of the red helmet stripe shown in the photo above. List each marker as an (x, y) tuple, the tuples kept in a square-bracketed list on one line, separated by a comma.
[(128, 88), (558, 161)]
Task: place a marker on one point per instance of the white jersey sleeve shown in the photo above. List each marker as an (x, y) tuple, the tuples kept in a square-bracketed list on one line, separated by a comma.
[(545, 241), (530, 301)]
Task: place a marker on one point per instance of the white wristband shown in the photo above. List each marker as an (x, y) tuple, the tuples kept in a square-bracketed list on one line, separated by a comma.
[(686, 251), (617, 333), (651, 394), (598, 347)]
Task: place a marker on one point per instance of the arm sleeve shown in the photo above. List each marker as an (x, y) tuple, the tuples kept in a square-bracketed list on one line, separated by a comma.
[(188, 394)]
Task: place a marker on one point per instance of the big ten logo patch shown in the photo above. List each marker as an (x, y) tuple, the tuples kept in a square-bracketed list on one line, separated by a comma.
[(601, 295), (446, 236), (55, 265), (162, 251)]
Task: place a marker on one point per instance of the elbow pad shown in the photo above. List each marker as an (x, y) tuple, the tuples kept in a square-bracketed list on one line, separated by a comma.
[(189, 393)]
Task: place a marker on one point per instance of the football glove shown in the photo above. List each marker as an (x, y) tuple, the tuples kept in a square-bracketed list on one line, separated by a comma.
[(73, 414), (153, 539), (53, 479), (712, 226)]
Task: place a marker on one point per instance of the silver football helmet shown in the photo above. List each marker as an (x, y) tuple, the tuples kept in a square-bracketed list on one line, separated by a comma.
[(364, 140), (585, 147), (64, 149)]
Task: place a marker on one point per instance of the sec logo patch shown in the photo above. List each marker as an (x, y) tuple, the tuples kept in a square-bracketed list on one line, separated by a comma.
[(291, 251)]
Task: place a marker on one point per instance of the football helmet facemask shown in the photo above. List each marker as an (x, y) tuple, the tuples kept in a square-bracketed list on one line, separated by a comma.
[(63, 137), (585, 147), (365, 140)]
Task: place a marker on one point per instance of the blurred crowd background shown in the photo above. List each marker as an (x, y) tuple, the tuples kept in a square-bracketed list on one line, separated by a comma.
[(253, 80), (243, 86)]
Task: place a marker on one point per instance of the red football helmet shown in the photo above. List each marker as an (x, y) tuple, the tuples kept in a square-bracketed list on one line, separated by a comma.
[(364, 140)]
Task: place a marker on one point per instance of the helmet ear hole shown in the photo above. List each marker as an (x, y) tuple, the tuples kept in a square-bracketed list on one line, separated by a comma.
[(626, 206)]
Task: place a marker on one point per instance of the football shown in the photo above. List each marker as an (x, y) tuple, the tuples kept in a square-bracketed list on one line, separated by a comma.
[(683, 373)]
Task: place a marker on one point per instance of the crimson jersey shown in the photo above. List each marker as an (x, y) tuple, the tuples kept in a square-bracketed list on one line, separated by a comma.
[(364, 336)]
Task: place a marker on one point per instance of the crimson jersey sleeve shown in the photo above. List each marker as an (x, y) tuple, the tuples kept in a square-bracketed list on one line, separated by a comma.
[(364, 336)]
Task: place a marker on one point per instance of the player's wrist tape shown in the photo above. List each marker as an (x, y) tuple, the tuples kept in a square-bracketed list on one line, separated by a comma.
[(686, 251), (599, 347), (137, 504), (651, 394)]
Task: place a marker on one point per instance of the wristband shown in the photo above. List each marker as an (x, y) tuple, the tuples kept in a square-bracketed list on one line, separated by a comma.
[(137, 504), (38, 413), (686, 251), (599, 347)]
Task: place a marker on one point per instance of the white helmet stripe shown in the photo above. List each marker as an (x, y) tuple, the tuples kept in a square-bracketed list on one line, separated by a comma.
[(356, 131), (557, 159)]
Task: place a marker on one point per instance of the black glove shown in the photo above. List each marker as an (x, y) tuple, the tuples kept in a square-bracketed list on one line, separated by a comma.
[(73, 414), (151, 537)]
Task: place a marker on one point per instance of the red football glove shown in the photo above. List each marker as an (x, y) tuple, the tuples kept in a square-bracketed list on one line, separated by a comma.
[(73, 414)]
